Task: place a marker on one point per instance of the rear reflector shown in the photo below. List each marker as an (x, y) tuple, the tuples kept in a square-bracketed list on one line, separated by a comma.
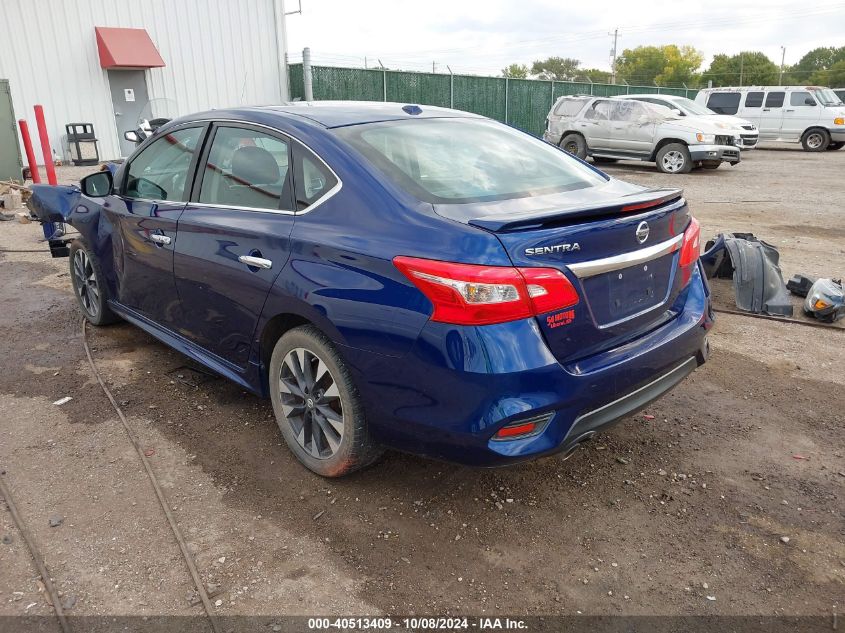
[(468, 294), (524, 428)]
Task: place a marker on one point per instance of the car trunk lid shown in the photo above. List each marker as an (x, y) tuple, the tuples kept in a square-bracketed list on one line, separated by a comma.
[(620, 249)]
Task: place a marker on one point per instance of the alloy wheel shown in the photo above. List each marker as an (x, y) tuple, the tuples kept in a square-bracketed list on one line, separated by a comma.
[(673, 161), (571, 147), (815, 140), (86, 283), (311, 403)]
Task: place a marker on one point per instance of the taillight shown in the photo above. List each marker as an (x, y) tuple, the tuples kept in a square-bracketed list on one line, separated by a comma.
[(691, 244), (468, 294)]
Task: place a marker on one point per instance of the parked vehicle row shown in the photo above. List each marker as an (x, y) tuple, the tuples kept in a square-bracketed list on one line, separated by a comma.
[(403, 276), (811, 115), (610, 129)]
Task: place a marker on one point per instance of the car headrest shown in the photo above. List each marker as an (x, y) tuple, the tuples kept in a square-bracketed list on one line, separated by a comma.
[(254, 165)]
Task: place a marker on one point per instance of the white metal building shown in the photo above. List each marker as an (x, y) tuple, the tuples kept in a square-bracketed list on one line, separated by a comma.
[(196, 54)]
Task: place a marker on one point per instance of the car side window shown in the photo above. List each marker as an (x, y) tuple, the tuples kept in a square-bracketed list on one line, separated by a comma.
[(247, 168), (754, 100), (600, 111), (801, 98), (160, 171), (627, 111), (774, 99), (724, 102), (569, 107), (312, 179)]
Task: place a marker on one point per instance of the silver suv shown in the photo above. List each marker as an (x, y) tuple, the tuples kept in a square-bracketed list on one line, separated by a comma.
[(625, 129)]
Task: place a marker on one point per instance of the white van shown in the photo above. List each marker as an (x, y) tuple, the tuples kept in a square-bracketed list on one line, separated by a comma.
[(812, 115)]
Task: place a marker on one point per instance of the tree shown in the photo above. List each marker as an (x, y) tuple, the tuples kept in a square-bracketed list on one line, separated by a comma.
[(669, 64), (595, 75), (833, 76), (515, 71), (750, 68), (556, 68), (811, 65)]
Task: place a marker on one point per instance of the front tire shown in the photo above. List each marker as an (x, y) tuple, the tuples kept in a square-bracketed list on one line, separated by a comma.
[(815, 140), (674, 158), (317, 406), (575, 145), (89, 286)]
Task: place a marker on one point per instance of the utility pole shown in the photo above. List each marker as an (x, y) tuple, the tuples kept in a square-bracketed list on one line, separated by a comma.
[(782, 59), (741, 62), (613, 56)]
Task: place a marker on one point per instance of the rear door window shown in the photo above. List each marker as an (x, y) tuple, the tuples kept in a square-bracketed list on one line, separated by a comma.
[(754, 100), (724, 102), (600, 111), (801, 99), (247, 169), (775, 99), (628, 111)]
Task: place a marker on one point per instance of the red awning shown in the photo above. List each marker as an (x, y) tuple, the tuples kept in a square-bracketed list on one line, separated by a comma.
[(126, 48)]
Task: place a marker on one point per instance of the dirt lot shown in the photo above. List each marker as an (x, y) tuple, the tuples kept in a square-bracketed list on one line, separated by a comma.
[(680, 514)]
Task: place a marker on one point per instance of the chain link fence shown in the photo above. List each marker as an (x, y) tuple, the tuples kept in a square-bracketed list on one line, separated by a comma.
[(523, 103)]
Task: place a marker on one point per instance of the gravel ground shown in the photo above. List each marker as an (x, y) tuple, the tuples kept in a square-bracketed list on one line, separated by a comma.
[(726, 498)]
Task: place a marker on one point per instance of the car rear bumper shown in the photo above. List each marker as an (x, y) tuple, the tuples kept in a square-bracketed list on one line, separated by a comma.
[(459, 385), (726, 153)]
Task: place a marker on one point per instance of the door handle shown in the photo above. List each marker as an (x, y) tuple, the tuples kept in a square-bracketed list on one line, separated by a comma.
[(789, 110), (164, 240), (255, 262)]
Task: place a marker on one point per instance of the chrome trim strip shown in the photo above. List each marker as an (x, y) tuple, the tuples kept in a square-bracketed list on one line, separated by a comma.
[(582, 270)]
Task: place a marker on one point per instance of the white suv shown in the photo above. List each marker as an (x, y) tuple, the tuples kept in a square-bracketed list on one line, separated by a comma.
[(687, 107), (610, 129), (810, 114)]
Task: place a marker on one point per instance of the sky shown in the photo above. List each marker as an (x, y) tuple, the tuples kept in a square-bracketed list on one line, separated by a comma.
[(482, 37)]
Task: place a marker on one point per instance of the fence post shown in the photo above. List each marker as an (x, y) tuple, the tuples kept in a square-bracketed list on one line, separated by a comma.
[(506, 100), (451, 87), (553, 91), (307, 79)]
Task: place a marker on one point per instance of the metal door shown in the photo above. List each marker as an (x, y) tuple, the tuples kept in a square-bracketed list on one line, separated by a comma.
[(10, 152), (129, 96)]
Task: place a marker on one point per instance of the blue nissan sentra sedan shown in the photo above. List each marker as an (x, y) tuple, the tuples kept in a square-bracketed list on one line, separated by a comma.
[(395, 276)]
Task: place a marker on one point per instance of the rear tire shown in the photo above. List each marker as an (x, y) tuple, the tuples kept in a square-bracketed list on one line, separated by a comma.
[(575, 145), (89, 286), (674, 158), (815, 140), (317, 406), (835, 146)]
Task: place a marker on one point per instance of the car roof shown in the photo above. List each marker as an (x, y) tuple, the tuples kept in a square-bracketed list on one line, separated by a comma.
[(333, 114), (651, 95), (340, 113)]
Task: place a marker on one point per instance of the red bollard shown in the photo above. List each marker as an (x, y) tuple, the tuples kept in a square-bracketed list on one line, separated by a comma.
[(45, 145), (30, 154)]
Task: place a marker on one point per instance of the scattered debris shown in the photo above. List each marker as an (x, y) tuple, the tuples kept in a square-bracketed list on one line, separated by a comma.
[(648, 416), (62, 401), (621, 460), (826, 300), (711, 598), (319, 514), (56, 520), (784, 539), (149, 452), (69, 602), (796, 456), (753, 265), (7, 539)]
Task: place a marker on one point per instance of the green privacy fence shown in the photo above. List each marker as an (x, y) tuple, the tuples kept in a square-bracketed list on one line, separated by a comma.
[(523, 103)]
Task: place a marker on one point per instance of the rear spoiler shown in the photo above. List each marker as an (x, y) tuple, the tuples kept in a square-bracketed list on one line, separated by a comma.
[(640, 201)]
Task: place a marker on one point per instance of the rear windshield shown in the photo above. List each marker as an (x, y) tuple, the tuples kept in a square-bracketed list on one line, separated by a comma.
[(450, 161)]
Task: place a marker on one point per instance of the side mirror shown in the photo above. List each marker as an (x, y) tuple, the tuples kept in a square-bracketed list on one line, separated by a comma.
[(809, 101), (132, 136), (97, 185)]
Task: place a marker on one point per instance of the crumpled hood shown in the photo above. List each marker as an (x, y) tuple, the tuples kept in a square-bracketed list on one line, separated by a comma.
[(703, 124)]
